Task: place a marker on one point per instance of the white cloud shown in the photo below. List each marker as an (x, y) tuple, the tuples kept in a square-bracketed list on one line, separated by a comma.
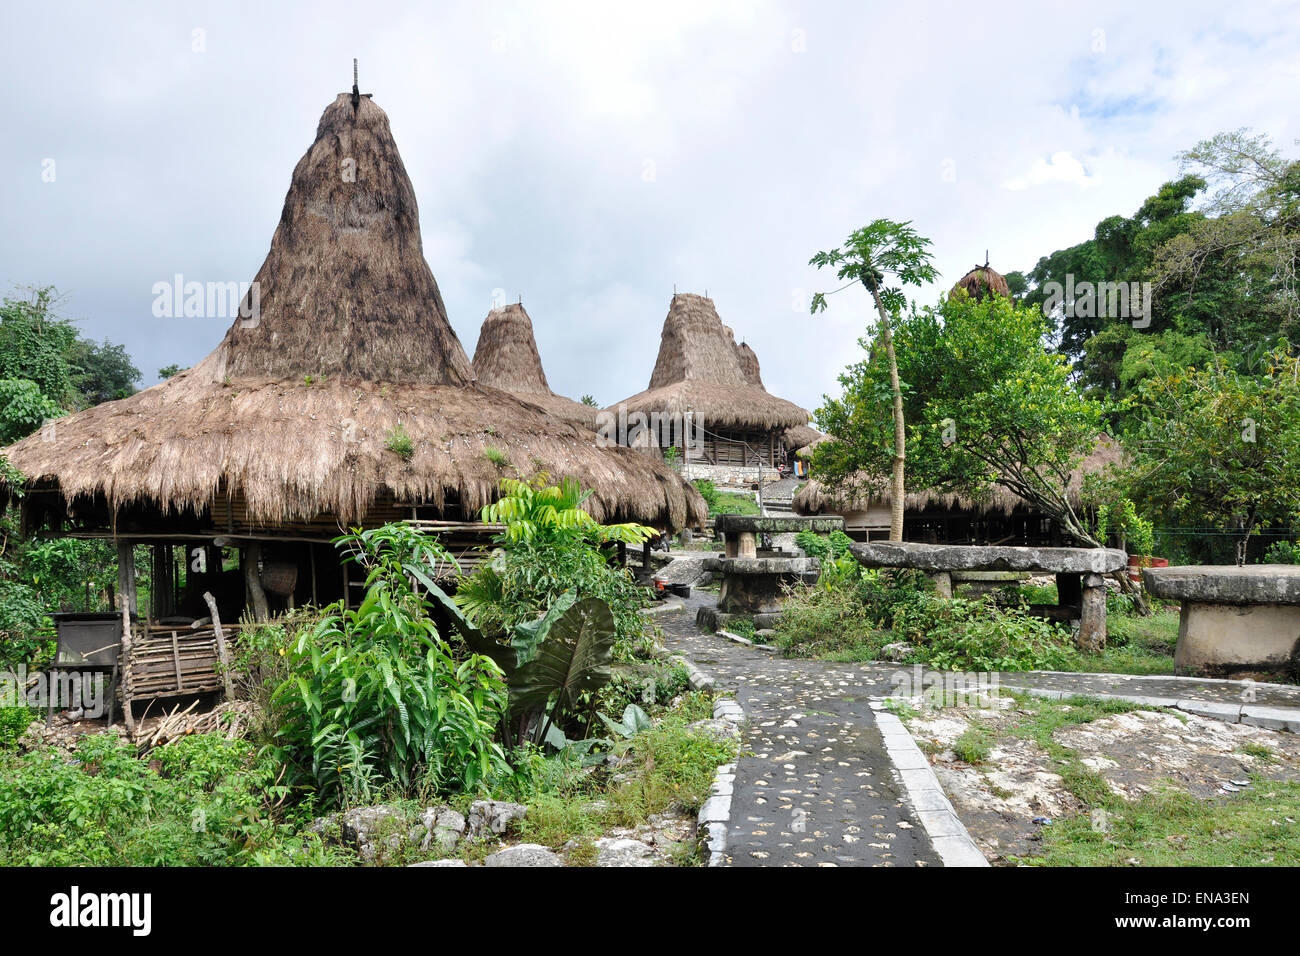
[(525, 129), (1062, 167)]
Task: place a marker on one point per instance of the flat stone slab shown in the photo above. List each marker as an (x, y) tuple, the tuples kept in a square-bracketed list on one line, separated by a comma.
[(730, 524), (1226, 584), (971, 557), (750, 566)]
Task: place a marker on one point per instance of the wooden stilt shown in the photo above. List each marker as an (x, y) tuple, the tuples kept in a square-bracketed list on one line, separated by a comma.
[(125, 590), (253, 579)]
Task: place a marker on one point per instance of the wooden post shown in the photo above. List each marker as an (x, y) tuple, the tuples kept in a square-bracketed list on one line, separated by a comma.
[(253, 580), (622, 554), (126, 592), (645, 558), (311, 550), (221, 644)]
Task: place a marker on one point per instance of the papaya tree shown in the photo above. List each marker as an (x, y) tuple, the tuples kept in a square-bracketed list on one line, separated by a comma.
[(873, 255)]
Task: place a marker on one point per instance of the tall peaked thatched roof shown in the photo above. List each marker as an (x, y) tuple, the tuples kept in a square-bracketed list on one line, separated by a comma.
[(814, 498), (303, 410), (506, 357), (982, 281), (699, 369), (749, 364)]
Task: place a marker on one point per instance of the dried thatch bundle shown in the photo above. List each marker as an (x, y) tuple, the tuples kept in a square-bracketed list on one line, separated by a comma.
[(299, 410), (982, 281), (699, 370), (860, 494), (506, 357)]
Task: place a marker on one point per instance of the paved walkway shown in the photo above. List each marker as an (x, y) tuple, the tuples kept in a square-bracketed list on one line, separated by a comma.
[(814, 785)]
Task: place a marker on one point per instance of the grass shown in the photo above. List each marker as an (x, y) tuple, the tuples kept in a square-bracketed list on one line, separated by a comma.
[(1166, 827), (733, 503), (1136, 645), (974, 745), (399, 442), (673, 770), (1172, 828)]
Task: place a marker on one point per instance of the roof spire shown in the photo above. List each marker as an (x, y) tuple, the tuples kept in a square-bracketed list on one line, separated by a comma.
[(356, 90)]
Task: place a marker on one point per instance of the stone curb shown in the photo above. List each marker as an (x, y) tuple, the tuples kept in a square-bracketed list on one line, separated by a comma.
[(768, 648), (715, 814), (1286, 719), (945, 829)]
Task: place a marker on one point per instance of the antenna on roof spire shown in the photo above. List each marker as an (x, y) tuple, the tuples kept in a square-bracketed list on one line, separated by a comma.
[(986, 258), (356, 90)]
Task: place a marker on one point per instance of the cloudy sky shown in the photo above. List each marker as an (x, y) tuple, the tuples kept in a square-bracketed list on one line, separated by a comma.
[(590, 156)]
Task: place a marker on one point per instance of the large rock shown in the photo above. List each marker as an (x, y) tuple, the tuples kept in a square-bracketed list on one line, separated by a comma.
[(443, 826), (687, 569), (716, 728), (492, 817), (1226, 584), (524, 854), (440, 863), (623, 851), (373, 832), (972, 557)]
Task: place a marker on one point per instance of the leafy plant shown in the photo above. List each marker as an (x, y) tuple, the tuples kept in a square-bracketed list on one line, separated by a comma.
[(400, 443), (1283, 552), (634, 721), (536, 511), (966, 635), (375, 695)]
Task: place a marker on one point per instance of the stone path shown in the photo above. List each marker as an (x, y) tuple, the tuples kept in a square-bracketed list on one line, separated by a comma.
[(814, 784)]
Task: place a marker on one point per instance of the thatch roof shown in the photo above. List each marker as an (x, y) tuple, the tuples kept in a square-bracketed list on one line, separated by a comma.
[(506, 357), (748, 360), (814, 498), (982, 281), (297, 410), (801, 437), (699, 370)]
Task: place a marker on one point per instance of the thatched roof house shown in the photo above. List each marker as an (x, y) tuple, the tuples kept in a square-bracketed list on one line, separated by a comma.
[(982, 281), (702, 370), (506, 357), (945, 517), (346, 399)]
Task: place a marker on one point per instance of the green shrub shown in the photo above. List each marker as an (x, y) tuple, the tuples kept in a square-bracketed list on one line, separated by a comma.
[(520, 584), (651, 684), (960, 634), (823, 546), (375, 697), (201, 801), (709, 492), (1283, 552), (14, 722)]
